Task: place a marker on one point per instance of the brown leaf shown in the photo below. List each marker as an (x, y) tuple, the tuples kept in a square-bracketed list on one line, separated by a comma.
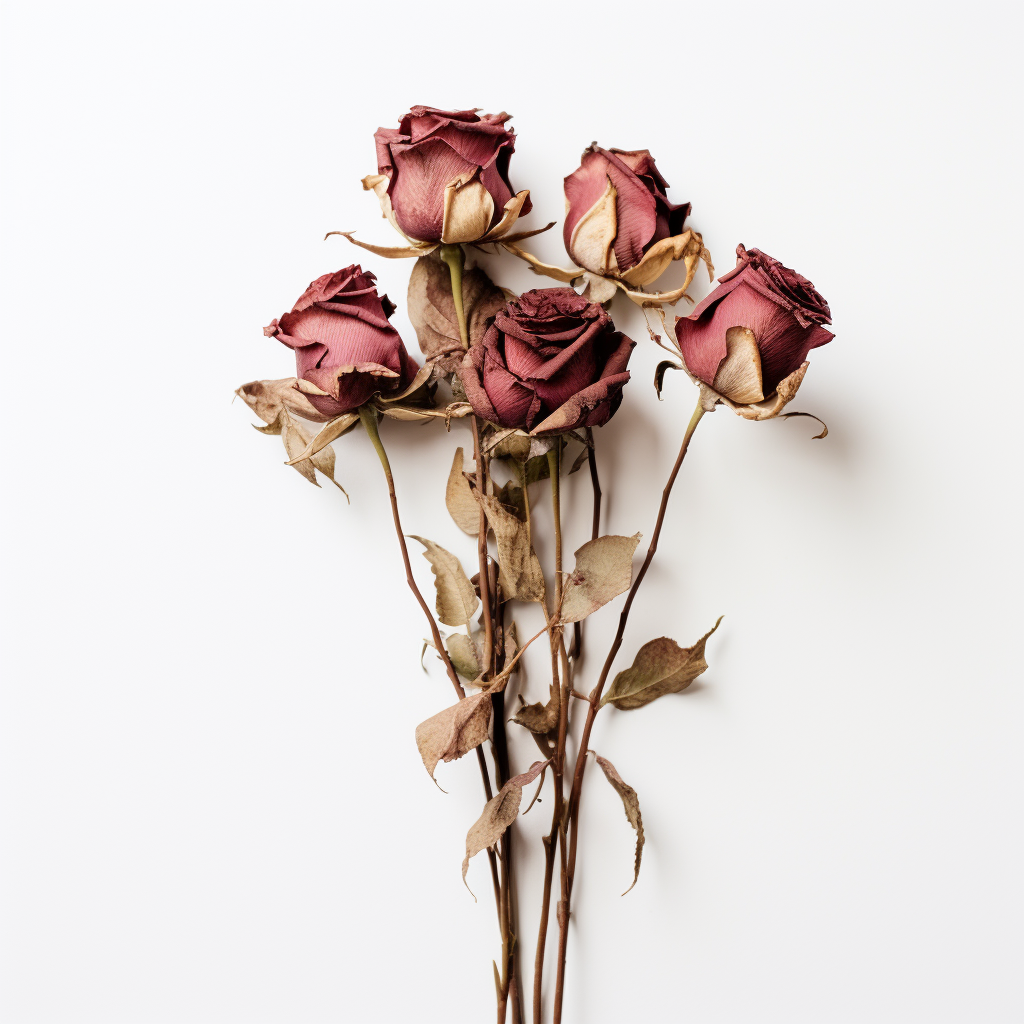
[(267, 398), (432, 308), (499, 813), (296, 441), (631, 802), (425, 413), (329, 432), (464, 655), (521, 576), (540, 719), (661, 666), (454, 732), (604, 569), (458, 496), (456, 599)]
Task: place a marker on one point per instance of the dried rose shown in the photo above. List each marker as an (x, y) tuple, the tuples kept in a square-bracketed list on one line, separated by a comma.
[(443, 176), (345, 349), (621, 228), (749, 339), (550, 362)]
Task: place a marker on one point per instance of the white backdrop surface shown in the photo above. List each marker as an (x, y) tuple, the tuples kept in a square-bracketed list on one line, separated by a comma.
[(211, 805)]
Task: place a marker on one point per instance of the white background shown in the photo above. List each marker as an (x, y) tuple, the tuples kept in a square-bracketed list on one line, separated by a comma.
[(211, 805)]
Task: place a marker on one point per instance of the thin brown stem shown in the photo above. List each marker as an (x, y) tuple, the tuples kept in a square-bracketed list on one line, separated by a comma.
[(595, 531), (595, 700)]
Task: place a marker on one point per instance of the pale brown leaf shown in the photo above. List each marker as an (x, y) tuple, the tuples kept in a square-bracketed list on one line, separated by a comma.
[(604, 569), (267, 398), (661, 666), (631, 802), (464, 655), (456, 599), (432, 308), (329, 432), (454, 732), (499, 813), (296, 441), (458, 496), (521, 576), (540, 719)]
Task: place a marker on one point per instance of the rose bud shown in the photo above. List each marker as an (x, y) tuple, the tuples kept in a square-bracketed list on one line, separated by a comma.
[(345, 349), (749, 339), (443, 177), (621, 228), (550, 362)]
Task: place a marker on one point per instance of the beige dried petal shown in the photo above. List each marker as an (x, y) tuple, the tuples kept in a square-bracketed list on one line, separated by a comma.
[(692, 253), (660, 667), (509, 217), (739, 373), (592, 240), (499, 813), (454, 732), (599, 289), (458, 496), (771, 406), (660, 255), (456, 599), (521, 576), (604, 569), (468, 209), (631, 803), (266, 398), (566, 276), (423, 375)]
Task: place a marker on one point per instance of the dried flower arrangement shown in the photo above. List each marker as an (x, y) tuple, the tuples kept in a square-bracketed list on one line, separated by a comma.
[(533, 375)]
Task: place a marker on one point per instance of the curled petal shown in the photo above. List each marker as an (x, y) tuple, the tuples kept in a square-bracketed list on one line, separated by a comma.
[(566, 276), (593, 238), (765, 410), (468, 209), (512, 212)]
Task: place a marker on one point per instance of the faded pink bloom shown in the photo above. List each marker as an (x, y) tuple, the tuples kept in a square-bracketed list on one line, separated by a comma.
[(445, 174), (754, 330), (550, 362), (619, 195), (344, 345)]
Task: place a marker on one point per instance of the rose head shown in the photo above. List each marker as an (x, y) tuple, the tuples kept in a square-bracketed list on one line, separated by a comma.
[(443, 176), (345, 349), (749, 339), (619, 224), (550, 362)]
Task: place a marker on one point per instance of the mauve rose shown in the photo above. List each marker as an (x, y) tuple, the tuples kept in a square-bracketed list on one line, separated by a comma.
[(344, 345), (619, 224), (550, 362), (443, 176), (750, 337)]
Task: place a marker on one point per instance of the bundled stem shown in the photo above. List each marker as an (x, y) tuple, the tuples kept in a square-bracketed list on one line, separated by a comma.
[(595, 704)]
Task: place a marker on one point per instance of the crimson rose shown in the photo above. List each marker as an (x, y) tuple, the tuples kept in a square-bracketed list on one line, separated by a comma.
[(750, 337), (550, 361), (345, 349), (443, 176)]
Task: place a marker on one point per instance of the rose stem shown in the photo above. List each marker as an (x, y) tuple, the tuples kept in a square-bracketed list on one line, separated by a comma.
[(368, 415), (455, 259), (577, 629), (595, 697)]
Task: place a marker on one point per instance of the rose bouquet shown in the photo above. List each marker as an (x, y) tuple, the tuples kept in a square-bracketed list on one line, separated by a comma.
[(532, 376)]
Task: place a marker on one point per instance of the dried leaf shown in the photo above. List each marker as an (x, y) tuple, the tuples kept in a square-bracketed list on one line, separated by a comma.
[(456, 599), (540, 719), (537, 468), (454, 732), (521, 577), (659, 374), (432, 308), (267, 398), (296, 440), (512, 497), (631, 803), (509, 444), (329, 432), (809, 415), (499, 813), (458, 496), (465, 656), (604, 569), (660, 667)]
